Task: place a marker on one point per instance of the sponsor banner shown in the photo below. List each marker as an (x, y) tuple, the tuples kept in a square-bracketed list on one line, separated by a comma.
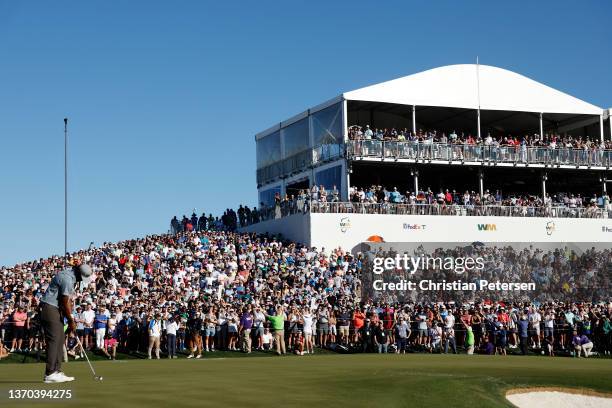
[(349, 230), (476, 271)]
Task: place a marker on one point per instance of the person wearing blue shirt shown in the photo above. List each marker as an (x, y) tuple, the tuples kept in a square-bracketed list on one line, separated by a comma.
[(100, 322), (395, 195)]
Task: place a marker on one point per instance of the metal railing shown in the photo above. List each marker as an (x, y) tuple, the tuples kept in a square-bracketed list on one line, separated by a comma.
[(594, 156), (303, 206), (300, 162)]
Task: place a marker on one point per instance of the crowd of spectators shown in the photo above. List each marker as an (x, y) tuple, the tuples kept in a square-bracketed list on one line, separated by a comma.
[(380, 199), (429, 137), (198, 291), (230, 220), (380, 194), (551, 148)]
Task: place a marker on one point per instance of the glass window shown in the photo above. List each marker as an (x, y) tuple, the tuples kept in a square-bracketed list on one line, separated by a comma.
[(327, 125), (329, 177), (268, 150), (296, 137), (267, 196)]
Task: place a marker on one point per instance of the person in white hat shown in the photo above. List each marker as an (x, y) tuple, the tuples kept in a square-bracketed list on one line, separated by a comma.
[(56, 304)]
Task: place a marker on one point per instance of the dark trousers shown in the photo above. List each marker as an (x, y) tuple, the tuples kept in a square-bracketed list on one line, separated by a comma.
[(524, 345), (171, 338), (53, 326)]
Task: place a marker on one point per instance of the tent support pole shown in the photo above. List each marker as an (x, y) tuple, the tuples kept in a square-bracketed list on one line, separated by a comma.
[(541, 126), (413, 120), (601, 128), (481, 183)]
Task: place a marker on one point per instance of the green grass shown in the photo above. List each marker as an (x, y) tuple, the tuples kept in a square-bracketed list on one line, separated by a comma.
[(359, 380)]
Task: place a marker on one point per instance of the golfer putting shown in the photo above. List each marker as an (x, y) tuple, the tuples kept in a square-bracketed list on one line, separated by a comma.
[(56, 304)]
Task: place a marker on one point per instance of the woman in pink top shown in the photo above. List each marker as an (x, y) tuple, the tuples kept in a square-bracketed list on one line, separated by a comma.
[(19, 320)]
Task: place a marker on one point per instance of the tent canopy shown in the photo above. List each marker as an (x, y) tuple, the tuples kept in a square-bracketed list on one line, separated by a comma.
[(457, 86)]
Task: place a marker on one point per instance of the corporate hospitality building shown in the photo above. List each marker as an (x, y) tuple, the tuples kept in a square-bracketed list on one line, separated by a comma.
[(314, 147)]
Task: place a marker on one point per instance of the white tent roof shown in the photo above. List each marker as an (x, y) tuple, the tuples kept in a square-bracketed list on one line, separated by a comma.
[(457, 86)]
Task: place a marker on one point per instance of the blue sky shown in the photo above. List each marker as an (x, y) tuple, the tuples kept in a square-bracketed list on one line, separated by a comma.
[(164, 97)]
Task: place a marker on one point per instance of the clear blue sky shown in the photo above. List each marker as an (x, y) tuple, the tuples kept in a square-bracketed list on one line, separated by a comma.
[(164, 97)]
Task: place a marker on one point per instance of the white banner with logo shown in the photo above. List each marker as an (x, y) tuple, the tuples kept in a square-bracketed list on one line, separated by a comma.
[(349, 230)]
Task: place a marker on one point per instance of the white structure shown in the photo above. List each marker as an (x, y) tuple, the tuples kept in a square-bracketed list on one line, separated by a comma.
[(313, 148), (309, 148)]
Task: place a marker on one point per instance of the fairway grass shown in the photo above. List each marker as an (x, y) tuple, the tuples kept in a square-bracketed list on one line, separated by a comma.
[(359, 380)]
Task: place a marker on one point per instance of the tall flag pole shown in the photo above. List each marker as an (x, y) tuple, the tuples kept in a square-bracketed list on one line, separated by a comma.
[(478, 91), (65, 187)]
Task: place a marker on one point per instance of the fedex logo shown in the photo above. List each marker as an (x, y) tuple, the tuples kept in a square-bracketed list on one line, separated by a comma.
[(414, 226)]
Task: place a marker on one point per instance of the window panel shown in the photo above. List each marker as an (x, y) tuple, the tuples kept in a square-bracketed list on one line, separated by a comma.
[(268, 150), (296, 137)]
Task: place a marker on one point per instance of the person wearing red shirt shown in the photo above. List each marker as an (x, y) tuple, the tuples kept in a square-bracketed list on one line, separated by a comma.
[(358, 322), (503, 317), (389, 322)]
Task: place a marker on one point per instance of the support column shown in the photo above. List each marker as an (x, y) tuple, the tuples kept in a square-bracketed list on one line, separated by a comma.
[(413, 120), (478, 130), (415, 175), (481, 182), (610, 123), (541, 126), (345, 193), (601, 128), (544, 178)]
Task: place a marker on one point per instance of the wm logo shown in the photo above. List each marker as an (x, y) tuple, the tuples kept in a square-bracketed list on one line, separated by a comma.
[(487, 227)]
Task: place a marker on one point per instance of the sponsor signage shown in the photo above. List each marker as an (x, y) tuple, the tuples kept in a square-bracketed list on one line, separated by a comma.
[(487, 227), (345, 224), (414, 227), (550, 228)]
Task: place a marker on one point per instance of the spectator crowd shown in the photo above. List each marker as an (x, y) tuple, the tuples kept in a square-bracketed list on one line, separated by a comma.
[(385, 200), (551, 141), (208, 288)]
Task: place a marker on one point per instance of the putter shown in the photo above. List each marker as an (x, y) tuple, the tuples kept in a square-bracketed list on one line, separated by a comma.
[(96, 377)]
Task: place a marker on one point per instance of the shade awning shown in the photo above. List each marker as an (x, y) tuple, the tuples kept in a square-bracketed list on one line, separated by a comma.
[(458, 86)]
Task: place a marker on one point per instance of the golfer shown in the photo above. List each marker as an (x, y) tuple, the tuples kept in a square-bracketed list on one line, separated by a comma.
[(56, 305)]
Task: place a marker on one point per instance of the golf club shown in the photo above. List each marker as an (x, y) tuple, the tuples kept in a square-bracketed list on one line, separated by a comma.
[(96, 377)]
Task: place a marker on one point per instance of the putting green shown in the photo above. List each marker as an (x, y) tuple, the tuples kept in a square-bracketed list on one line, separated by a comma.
[(360, 380)]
